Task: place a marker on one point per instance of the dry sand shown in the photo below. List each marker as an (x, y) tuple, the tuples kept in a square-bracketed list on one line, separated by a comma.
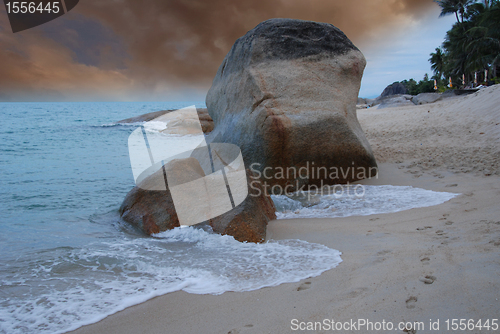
[(389, 259)]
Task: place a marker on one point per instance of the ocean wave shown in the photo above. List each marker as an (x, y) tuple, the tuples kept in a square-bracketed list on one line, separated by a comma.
[(112, 125), (79, 286), (356, 200)]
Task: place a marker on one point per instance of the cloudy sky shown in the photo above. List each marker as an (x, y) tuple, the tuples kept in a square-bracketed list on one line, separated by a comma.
[(159, 50)]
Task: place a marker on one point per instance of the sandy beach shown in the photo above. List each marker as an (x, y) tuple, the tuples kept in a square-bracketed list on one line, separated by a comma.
[(421, 265)]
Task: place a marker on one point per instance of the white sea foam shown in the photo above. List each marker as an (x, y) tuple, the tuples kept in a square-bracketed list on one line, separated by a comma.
[(357, 200), (115, 124), (82, 286)]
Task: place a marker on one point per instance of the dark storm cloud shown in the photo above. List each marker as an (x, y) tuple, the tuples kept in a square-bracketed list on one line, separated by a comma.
[(187, 39), (160, 45)]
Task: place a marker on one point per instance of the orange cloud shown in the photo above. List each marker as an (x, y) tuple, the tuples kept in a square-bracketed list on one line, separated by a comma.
[(170, 44)]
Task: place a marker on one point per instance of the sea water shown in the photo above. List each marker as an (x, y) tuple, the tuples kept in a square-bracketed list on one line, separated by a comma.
[(68, 260)]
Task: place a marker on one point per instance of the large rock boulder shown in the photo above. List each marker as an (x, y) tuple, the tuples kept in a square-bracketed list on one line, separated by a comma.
[(361, 101), (396, 101), (207, 124), (424, 98), (396, 88), (286, 94), (150, 207)]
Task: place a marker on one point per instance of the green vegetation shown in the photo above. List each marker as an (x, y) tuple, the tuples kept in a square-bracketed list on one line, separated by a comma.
[(425, 85), (471, 46)]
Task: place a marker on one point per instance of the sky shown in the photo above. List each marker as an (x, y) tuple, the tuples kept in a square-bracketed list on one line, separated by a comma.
[(167, 50), (408, 48)]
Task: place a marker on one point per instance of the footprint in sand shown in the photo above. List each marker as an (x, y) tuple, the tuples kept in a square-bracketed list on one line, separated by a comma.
[(237, 331), (423, 228), (495, 242), (304, 286), (489, 222), (356, 292), (373, 219), (410, 302), (440, 232), (425, 260), (410, 331), (449, 223), (429, 279)]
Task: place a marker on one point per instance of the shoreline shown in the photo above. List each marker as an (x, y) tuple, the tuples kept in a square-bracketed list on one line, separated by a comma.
[(384, 258), (440, 262)]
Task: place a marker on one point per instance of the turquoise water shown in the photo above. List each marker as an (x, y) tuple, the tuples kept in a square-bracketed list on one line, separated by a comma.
[(60, 164), (67, 259)]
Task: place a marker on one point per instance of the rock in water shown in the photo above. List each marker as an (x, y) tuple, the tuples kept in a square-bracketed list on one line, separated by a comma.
[(151, 209), (248, 221), (286, 94), (207, 124)]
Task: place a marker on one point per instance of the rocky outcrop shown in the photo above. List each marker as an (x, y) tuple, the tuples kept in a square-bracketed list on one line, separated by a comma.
[(361, 103), (151, 211), (286, 94), (424, 98), (248, 221), (150, 207), (207, 124), (370, 102), (396, 88), (396, 101)]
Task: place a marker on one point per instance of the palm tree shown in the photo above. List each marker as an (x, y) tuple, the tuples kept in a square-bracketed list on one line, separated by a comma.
[(485, 44), (473, 43), (437, 62), (455, 48), (454, 6), (462, 6)]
